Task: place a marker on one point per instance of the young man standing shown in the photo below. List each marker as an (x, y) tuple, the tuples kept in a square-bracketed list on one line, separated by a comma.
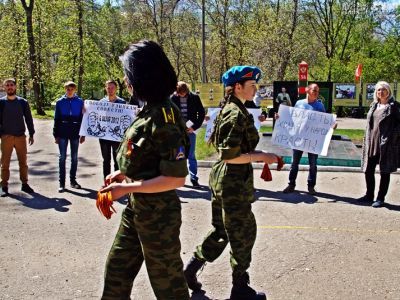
[(14, 114), (67, 122), (107, 147), (193, 113)]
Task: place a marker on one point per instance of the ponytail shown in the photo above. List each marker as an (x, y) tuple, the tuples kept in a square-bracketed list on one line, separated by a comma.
[(228, 93)]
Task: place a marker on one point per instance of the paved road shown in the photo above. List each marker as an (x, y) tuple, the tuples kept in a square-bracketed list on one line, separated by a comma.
[(54, 246)]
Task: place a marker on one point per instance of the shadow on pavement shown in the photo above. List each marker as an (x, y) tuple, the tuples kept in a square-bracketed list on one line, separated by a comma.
[(38, 201), (303, 197), (82, 192), (355, 201), (391, 206), (294, 198), (201, 192), (200, 295)]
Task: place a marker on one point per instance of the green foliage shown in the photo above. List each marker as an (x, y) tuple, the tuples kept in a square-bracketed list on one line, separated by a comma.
[(274, 35)]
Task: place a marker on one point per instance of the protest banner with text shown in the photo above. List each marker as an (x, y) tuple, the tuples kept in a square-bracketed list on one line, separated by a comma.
[(107, 120), (305, 130)]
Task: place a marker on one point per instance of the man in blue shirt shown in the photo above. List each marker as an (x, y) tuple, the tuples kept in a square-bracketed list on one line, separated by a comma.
[(310, 103), (67, 122)]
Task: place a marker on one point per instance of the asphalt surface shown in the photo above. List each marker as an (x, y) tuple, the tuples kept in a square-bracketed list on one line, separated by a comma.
[(328, 246)]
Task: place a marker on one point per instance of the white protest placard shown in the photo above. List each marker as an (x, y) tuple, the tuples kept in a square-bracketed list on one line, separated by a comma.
[(305, 130), (107, 120), (256, 112), (212, 113)]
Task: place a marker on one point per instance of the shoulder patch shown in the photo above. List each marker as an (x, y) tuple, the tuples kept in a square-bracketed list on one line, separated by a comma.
[(169, 115)]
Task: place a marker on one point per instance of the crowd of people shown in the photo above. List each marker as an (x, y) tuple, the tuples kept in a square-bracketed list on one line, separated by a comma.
[(152, 161)]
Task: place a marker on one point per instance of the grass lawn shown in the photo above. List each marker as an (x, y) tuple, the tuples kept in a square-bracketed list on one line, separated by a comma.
[(49, 114), (203, 150), (356, 135)]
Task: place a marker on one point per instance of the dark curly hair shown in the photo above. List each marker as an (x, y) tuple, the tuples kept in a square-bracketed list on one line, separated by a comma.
[(149, 71)]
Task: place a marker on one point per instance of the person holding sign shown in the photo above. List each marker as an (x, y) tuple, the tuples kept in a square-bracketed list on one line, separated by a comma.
[(152, 162), (67, 122), (193, 113), (381, 143), (310, 103), (109, 148), (231, 182)]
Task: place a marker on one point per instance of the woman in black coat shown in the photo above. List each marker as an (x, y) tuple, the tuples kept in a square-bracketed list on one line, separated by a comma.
[(381, 145)]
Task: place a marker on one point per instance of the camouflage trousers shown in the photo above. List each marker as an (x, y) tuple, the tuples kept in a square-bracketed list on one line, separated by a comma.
[(232, 192), (149, 231)]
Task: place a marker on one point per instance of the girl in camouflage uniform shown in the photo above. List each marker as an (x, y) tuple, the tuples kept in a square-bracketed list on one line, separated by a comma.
[(231, 183), (152, 159)]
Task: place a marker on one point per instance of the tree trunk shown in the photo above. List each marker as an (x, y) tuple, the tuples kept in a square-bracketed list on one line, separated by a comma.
[(287, 54), (80, 37), (32, 56)]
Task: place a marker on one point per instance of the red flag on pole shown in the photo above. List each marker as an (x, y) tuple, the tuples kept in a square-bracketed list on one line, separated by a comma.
[(358, 72)]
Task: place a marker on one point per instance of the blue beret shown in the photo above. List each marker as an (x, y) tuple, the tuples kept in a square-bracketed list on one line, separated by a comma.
[(240, 73)]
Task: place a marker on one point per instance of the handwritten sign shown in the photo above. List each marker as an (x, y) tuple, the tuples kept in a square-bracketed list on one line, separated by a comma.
[(107, 120), (256, 112), (305, 130), (213, 113)]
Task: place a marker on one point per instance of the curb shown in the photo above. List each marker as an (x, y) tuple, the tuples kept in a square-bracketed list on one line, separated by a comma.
[(286, 167)]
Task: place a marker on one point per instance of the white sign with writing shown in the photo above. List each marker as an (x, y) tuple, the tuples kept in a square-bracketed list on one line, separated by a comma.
[(107, 120), (256, 112), (305, 130), (212, 113)]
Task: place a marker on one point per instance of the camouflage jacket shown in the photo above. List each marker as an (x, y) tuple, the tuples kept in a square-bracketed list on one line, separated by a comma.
[(235, 132), (155, 144)]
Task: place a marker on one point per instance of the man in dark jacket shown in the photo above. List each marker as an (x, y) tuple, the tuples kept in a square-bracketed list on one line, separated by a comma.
[(193, 113), (67, 122), (14, 114), (109, 148)]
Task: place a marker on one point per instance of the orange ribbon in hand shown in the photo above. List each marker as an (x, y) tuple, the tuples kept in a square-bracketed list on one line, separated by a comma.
[(104, 204)]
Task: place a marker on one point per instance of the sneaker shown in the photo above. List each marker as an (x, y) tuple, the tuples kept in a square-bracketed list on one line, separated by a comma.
[(289, 189), (61, 189), (194, 182), (75, 185), (311, 190), (26, 188), (377, 203), (4, 191)]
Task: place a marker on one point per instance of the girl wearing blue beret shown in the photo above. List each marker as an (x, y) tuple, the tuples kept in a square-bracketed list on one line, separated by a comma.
[(231, 181)]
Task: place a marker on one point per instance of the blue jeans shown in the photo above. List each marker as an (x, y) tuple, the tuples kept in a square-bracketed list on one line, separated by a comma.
[(62, 146), (192, 157), (294, 169)]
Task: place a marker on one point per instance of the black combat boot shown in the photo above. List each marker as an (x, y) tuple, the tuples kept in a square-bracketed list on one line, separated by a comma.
[(190, 272), (242, 291)]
